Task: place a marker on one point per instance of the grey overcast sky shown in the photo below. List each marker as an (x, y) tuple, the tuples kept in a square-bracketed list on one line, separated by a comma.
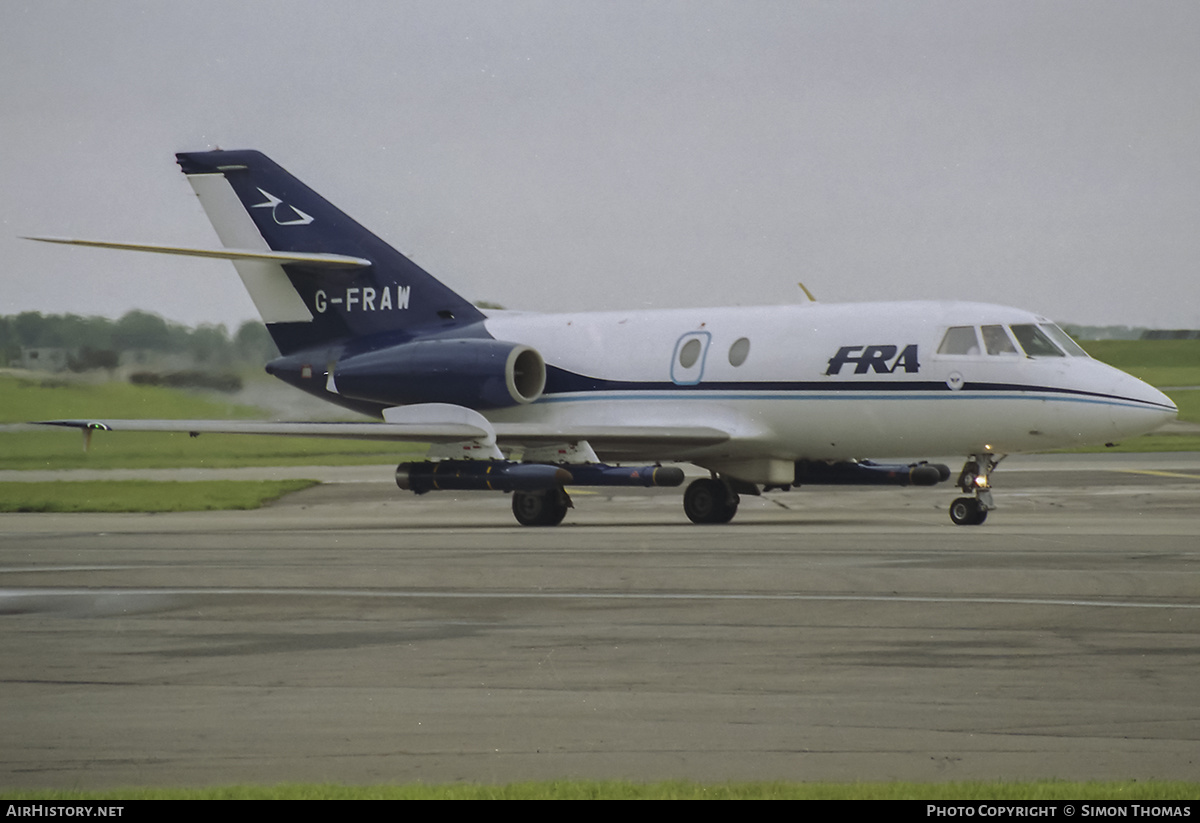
[(603, 155)]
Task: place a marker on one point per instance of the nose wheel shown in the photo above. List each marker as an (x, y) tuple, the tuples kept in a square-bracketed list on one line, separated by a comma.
[(975, 477), (968, 511)]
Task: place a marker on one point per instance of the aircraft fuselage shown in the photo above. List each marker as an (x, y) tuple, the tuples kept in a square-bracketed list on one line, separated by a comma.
[(830, 382)]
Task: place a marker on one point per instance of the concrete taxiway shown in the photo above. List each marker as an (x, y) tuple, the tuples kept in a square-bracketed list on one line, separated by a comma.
[(353, 634)]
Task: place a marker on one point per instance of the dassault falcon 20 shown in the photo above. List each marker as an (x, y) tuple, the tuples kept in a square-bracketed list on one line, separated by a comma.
[(763, 398)]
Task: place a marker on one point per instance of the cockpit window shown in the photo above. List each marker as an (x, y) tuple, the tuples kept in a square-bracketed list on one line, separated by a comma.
[(1063, 340), (996, 340), (1035, 342), (959, 340)]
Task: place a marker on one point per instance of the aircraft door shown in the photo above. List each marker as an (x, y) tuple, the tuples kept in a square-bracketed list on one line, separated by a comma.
[(687, 361)]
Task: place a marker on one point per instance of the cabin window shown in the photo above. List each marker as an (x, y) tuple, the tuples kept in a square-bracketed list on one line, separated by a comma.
[(959, 340), (1035, 342), (739, 351), (997, 341), (687, 360)]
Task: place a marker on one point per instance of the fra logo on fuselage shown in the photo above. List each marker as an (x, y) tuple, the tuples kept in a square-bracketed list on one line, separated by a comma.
[(879, 359)]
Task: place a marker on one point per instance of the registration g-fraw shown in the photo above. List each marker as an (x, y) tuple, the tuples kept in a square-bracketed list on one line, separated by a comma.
[(365, 298)]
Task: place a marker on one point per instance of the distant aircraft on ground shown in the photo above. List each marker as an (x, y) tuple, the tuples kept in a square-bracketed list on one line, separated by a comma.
[(763, 398)]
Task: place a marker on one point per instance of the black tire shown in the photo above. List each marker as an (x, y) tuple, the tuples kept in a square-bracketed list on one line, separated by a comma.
[(968, 511), (709, 501), (544, 508)]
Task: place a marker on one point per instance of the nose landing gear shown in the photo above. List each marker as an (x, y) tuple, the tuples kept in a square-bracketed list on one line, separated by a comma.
[(975, 477)]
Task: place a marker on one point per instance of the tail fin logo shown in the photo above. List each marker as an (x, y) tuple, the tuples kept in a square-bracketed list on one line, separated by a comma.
[(273, 203)]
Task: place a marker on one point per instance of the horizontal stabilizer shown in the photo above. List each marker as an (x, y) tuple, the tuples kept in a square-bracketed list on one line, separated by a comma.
[(321, 260)]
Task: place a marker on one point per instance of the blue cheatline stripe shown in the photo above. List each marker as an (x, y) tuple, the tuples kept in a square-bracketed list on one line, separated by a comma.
[(891, 393), (563, 386)]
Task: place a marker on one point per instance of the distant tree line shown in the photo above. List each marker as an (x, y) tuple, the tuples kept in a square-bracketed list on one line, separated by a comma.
[(1103, 332), (98, 342)]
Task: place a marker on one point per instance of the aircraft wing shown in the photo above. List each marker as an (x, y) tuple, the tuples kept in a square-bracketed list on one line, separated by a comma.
[(416, 432), (608, 438)]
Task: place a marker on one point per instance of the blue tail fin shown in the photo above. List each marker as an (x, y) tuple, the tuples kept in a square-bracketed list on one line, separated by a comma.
[(254, 203)]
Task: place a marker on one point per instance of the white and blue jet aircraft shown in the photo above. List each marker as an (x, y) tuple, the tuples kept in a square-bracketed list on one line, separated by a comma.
[(764, 398)]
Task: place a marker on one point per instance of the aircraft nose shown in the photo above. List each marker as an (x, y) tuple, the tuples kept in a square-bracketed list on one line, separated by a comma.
[(1146, 407)]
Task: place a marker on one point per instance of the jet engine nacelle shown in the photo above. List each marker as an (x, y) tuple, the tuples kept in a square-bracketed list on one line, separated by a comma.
[(476, 373)]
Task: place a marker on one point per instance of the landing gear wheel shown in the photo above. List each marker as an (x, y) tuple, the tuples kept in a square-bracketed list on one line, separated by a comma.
[(968, 511), (709, 501), (541, 508)]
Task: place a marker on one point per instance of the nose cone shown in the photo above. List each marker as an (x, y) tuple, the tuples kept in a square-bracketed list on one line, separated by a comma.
[(1141, 408)]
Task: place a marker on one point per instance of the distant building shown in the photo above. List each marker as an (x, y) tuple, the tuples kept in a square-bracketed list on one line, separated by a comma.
[(47, 358), (1171, 334)]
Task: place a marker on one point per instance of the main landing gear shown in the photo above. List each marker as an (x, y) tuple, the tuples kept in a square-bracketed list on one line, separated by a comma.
[(707, 500), (975, 477), (545, 507), (710, 500)]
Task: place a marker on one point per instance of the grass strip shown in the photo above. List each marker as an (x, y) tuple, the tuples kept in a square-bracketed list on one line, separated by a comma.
[(39, 398), (1158, 362), (144, 495)]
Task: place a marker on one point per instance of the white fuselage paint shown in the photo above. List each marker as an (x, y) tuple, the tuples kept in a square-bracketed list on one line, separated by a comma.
[(827, 382)]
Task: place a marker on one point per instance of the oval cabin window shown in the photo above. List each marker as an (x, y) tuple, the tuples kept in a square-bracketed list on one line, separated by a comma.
[(738, 351)]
